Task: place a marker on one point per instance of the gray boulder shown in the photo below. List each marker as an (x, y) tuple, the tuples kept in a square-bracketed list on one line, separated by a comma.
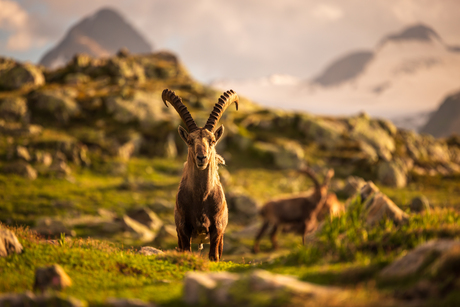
[(13, 108), (225, 288), (289, 155), (417, 260), (124, 302), (23, 153), (48, 226), (60, 168), (51, 277), (242, 206), (60, 104), (29, 299), (20, 168), (420, 204), (392, 174), (167, 233), (145, 108), (19, 75), (162, 205), (370, 131), (136, 229), (352, 185), (377, 206), (327, 133), (149, 250), (146, 217), (9, 243)]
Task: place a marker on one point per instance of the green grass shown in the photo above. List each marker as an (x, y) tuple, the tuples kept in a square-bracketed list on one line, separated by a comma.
[(100, 270)]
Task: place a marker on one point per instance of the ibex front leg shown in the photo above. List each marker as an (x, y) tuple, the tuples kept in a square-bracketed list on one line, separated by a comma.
[(183, 241), (216, 238)]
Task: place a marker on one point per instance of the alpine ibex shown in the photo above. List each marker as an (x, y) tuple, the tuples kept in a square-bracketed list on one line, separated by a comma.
[(201, 213), (300, 212)]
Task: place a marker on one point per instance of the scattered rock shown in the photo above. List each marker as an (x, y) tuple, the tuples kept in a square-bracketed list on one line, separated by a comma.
[(162, 205), (9, 243), (60, 168), (447, 265), (391, 174), (377, 206), (326, 133), (19, 129), (51, 277), (20, 168), (13, 108), (146, 217), (289, 155), (140, 231), (352, 185), (241, 205), (48, 226), (76, 78), (142, 107), (29, 299), (225, 288), (149, 250), (371, 132), (419, 204), (44, 158), (415, 261), (167, 233), (124, 302), (58, 103), (380, 207), (19, 75), (23, 153)]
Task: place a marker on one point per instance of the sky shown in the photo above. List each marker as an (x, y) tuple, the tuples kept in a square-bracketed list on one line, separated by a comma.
[(238, 39)]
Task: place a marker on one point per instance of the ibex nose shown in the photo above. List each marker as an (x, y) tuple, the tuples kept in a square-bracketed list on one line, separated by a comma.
[(201, 158)]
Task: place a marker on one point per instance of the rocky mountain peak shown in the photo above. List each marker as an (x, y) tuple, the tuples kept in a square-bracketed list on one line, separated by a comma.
[(99, 35)]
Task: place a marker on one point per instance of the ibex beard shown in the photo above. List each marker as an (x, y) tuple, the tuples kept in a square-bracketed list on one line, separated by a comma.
[(201, 213)]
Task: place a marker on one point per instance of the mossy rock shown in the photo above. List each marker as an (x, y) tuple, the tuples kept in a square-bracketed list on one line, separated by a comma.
[(21, 75), (13, 108)]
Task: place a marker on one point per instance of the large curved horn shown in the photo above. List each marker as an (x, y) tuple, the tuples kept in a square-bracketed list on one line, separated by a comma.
[(176, 102), (226, 99)]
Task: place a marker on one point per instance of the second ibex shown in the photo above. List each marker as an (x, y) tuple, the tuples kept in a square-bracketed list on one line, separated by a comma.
[(201, 213)]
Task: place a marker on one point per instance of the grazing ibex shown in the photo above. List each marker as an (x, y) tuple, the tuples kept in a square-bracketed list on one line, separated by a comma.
[(201, 213), (300, 212)]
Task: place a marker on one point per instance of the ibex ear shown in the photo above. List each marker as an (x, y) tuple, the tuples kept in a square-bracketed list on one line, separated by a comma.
[(183, 134), (218, 133)]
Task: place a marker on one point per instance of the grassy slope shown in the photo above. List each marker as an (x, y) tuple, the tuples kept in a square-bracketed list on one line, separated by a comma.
[(344, 254)]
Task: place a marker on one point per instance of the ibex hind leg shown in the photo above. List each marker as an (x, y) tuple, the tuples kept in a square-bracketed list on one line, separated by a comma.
[(255, 249), (273, 237)]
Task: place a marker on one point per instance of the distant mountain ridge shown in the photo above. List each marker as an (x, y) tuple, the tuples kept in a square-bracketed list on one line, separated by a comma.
[(407, 73), (446, 120), (99, 35), (350, 66)]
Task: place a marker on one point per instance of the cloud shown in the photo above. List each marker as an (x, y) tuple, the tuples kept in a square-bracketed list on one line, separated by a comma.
[(239, 38), (19, 25), (327, 12)]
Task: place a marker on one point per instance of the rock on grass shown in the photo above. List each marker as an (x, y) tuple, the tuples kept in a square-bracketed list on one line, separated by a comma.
[(9, 243), (51, 277), (237, 289)]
